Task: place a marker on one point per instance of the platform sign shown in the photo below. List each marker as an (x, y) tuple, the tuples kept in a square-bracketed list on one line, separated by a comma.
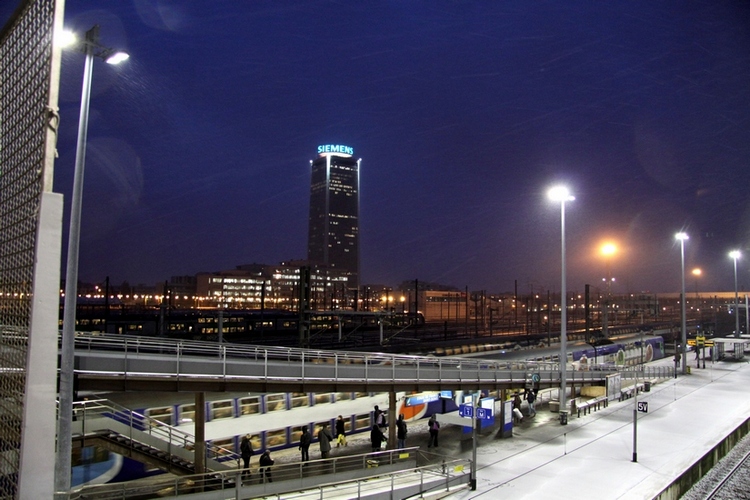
[(484, 414), (643, 406), (467, 411)]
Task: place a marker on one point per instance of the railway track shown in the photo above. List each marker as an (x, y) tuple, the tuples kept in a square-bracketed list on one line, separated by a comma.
[(727, 480)]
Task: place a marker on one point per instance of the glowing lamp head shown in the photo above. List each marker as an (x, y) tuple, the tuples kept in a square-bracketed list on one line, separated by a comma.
[(735, 254), (117, 58), (609, 249), (681, 236), (66, 38), (560, 193)]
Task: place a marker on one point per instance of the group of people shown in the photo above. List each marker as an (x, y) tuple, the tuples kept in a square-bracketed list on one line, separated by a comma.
[(377, 435), (325, 440), (265, 462)]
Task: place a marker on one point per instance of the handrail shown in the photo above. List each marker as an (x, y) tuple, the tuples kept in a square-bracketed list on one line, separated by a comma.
[(463, 368), (426, 464), (134, 420)]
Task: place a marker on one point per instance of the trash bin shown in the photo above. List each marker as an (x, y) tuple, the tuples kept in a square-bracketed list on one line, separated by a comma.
[(647, 386), (563, 418)]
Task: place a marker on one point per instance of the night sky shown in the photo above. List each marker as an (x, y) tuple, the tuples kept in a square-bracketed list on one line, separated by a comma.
[(464, 114)]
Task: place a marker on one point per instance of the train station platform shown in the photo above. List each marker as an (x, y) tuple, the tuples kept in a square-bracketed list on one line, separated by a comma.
[(592, 456)]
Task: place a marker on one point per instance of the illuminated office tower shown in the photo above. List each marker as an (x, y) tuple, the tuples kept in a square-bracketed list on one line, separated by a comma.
[(333, 238)]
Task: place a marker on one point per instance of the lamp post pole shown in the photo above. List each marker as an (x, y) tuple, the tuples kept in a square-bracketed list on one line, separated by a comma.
[(735, 254), (67, 358), (91, 48), (562, 195), (682, 237)]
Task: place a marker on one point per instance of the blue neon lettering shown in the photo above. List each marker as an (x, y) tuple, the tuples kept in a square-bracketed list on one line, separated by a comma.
[(335, 148)]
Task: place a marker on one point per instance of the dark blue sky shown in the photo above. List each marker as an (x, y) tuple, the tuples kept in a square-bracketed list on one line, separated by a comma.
[(463, 113)]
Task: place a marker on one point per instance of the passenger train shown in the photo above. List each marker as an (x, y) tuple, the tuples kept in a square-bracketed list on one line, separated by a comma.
[(274, 422), (621, 353)]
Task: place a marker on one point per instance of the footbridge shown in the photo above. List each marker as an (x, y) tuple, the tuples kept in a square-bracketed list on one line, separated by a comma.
[(122, 363)]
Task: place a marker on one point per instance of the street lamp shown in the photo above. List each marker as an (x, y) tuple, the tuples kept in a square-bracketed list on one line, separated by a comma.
[(561, 194), (91, 49), (682, 237), (735, 254), (608, 250), (697, 272)]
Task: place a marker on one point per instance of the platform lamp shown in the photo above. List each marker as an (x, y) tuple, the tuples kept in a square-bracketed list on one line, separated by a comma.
[(91, 48), (735, 254), (561, 194), (683, 322)]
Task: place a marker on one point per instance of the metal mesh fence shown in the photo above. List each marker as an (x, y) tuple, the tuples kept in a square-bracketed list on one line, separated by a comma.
[(25, 54)]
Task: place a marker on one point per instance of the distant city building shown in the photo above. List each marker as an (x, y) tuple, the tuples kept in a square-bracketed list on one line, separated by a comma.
[(183, 286), (333, 238), (254, 286), (245, 286)]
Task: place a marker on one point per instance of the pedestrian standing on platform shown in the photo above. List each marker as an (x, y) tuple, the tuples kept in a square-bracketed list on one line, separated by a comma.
[(379, 417), (531, 398), (434, 426), (376, 438), (340, 432), (697, 352), (246, 451), (304, 444), (401, 432), (324, 438), (265, 466)]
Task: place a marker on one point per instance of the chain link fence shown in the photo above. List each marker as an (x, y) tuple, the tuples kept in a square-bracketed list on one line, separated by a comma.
[(27, 121)]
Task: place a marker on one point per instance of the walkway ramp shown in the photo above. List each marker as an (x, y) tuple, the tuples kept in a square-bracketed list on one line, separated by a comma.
[(120, 430), (119, 363)]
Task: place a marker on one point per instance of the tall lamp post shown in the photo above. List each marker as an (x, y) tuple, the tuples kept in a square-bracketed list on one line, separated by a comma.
[(682, 237), (608, 250), (697, 272), (735, 254), (91, 49), (561, 194)]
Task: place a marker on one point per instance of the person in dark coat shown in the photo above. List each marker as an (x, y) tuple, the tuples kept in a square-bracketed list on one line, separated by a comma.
[(517, 402), (265, 463), (304, 444), (324, 438), (246, 451), (434, 427), (379, 417), (531, 398), (376, 437), (401, 431)]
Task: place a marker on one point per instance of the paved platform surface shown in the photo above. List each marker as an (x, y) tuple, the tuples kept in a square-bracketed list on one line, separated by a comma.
[(592, 456)]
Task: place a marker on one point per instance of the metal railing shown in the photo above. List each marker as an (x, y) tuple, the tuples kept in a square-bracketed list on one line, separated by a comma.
[(139, 357), (169, 437), (424, 470), (647, 372)]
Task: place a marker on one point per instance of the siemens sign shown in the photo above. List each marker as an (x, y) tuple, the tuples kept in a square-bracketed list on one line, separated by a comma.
[(333, 148)]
